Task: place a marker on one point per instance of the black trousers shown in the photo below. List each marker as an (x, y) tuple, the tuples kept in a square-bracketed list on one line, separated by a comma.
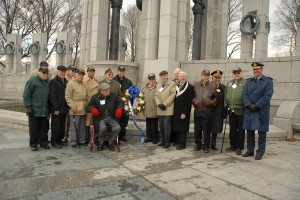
[(123, 123), (202, 124), (152, 129), (38, 131), (58, 123), (181, 139), (237, 133)]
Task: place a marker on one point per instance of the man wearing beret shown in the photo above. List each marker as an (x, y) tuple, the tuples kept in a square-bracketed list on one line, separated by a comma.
[(114, 85), (106, 108), (235, 106), (257, 96), (218, 110), (36, 101), (91, 88), (204, 100), (164, 98), (125, 83), (76, 98), (58, 106)]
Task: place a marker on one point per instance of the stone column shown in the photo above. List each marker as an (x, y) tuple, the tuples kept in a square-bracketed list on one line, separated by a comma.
[(298, 40), (224, 30), (89, 32), (82, 60), (122, 43), (65, 57), (99, 30), (150, 28), (198, 10), (167, 30), (41, 40), (182, 30), (13, 60), (116, 6)]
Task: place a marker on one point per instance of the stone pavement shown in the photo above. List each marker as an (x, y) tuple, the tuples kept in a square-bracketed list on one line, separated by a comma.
[(144, 172)]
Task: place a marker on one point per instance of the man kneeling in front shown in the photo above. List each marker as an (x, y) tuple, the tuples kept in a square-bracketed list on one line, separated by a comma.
[(106, 108)]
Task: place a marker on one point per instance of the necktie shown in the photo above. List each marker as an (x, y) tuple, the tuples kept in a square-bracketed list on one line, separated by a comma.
[(180, 86)]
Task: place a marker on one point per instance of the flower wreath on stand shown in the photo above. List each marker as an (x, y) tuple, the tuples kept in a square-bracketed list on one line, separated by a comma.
[(134, 104), (136, 98)]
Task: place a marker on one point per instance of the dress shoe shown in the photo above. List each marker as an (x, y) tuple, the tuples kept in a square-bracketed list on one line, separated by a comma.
[(154, 142), (161, 144), (247, 154), (45, 146), (166, 146), (214, 148), (175, 144), (180, 147), (100, 148), (123, 139), (206, 150), (258, 157), (111, 148), (56, 145), (147, 141), (34, 148), (64, 143), (238, 152), (230, 149), (197, 148), (74, 146)]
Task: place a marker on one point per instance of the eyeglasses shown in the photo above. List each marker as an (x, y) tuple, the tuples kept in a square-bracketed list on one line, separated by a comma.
[(236, 72), (45, 72), (110, 74), (151, 79)]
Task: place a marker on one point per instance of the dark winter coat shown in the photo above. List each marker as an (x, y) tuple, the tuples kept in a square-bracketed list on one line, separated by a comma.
[(57, 89), (112, 102), (260, 94), (182, 105), (35, 95), (218, 111), (125, 83)]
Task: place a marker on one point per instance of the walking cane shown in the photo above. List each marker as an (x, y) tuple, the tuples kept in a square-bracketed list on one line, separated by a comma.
[(77, 137), (226, 120)]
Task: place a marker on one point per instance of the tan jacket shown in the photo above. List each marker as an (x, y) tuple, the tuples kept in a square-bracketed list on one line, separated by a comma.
[(76, 97), (115, 86), (150, 106), (91, 86), (165, 96)]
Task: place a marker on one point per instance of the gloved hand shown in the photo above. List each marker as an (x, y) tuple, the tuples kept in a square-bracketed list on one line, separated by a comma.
[(253, 107), (95, 112), (29, 111), (162, 106), (118, 113)]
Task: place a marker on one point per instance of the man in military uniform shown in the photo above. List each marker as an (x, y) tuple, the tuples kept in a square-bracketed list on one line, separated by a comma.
[(125, 83), (91, 86), (71, 72), (235, 106), (217, 112), (257, 96), (113, 84)]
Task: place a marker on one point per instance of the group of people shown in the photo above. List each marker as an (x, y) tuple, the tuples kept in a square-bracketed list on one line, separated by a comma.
[(79, 102), (76, 102)]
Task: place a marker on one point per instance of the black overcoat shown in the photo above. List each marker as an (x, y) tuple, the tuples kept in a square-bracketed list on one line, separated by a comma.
[(218, 110), (57, 88), (182, 105)]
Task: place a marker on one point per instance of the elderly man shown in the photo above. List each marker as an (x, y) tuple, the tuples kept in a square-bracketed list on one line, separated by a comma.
[(58, 106), (125, 84), (164, 98), (91, 86), (182, 110), (71, 72), (114, 85), (35, 98), (204, 101), (150, 111), (176, 73), (233, 102), (257, 96), (218, 111), (76, 98), (106, 108)]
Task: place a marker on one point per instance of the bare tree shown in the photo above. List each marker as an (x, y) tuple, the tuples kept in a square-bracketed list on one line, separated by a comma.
[(285, 25), (76, 30), (190, 36), (233, 31), (129, 19)]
